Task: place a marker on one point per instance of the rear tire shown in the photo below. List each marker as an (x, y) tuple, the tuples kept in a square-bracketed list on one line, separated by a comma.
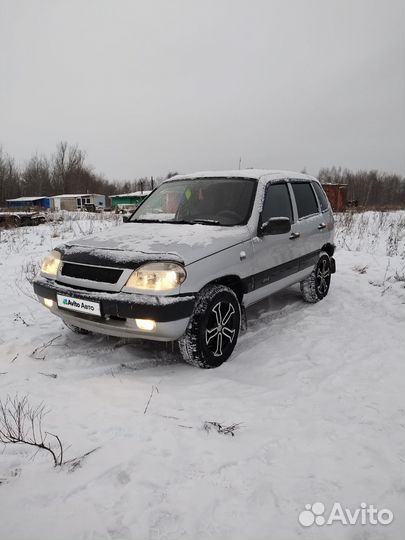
[(316, 286), (213, 330)]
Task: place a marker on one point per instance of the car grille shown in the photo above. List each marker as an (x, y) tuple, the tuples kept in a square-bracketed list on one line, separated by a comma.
[(92, 273)]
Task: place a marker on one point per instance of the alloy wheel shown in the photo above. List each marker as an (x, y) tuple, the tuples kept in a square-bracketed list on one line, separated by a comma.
[(322, 281), (221, 328)]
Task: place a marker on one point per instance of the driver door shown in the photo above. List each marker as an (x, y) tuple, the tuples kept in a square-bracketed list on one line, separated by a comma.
[(274, 254)]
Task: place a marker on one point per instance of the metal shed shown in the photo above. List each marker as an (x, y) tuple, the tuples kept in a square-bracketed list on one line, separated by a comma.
[(337, 195), (36, 202), (128, 198), (78, 201)]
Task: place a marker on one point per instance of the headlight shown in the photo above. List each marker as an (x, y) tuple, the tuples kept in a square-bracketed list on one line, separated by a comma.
[(50, 265), (159, 276)]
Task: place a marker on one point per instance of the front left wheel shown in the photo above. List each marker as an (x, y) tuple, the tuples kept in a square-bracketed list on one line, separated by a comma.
[(213, 330)]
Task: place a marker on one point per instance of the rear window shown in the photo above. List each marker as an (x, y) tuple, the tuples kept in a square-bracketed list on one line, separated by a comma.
[(305, 199), (323, 201)]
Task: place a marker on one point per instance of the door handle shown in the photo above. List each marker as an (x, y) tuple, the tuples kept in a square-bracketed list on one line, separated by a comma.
[(321, 226), (294, 235)]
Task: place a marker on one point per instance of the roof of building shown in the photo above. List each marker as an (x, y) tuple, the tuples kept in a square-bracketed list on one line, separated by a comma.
[(26, 199), (70, 195)]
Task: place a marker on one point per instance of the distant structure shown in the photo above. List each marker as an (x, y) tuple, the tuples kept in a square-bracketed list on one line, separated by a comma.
[(80, 201), (45, 203), (337, 195), (128, 199)]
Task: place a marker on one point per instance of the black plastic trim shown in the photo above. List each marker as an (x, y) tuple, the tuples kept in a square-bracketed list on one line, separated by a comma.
[(93, 273), (180, 306), (281, 271)]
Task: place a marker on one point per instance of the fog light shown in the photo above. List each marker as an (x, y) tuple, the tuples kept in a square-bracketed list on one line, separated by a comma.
[(145, 324), (48, 302)]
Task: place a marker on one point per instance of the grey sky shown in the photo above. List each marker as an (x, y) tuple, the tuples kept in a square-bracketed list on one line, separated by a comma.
[(152, 86)]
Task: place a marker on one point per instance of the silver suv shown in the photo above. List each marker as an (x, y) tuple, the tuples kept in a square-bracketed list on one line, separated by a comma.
[(199, 250)]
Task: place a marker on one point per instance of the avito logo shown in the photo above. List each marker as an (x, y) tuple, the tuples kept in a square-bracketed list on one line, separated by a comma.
[(82, 305), (70, 302), (365, 515)]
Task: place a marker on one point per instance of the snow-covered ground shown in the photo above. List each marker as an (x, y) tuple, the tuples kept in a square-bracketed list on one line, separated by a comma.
[(318, 391)]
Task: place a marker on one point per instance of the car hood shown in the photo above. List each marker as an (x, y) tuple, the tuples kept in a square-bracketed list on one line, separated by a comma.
[(130, 244)]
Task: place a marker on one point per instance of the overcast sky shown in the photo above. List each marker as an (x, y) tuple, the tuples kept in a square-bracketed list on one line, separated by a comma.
[(145, 87)]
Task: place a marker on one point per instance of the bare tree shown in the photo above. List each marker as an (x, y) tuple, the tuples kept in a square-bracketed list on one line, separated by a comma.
[(9, 178), (68, 163), (36, 177), (20, 423)]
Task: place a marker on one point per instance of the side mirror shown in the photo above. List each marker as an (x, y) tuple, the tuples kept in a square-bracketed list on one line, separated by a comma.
[(125, 219), (275, 225)]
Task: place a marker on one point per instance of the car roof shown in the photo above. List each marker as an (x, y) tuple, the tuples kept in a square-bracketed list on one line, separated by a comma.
[(256, 174)]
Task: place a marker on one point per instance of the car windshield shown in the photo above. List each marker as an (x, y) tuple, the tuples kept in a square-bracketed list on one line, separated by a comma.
[(210, 201)]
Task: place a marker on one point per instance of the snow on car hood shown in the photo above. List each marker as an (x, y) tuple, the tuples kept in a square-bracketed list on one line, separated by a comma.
[(134, 242)]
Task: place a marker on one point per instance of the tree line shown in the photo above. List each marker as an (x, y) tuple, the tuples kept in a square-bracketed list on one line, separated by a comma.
[(368, 189), (66, 171)]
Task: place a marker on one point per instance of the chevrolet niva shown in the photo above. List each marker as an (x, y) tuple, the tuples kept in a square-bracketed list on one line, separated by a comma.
[(195, 253)]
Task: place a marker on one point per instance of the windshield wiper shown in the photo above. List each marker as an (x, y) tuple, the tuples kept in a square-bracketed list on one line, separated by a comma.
[(193, 222), (152, 221), (144, 221), (178, 222), (206, 221)]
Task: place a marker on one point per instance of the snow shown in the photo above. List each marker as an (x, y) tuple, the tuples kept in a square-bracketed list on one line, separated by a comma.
[(136, 240), (23, 199), (118, 255), (318, 391), (133, 194), (14, 212), (70, 195), (242, 173)]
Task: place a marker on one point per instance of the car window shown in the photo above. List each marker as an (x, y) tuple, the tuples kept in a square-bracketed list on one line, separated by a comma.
[(277, 202), (305, 199), (215, 201), (323, 201)]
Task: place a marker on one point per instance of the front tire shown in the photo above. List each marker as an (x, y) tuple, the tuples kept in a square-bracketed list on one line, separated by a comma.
[(316, 286), (213, 329)]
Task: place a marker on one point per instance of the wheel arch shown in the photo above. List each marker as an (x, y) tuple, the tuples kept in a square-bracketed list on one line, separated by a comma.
[(234, 282)]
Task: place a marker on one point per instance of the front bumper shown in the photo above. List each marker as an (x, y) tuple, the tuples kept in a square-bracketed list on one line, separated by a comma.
[(118, 311)]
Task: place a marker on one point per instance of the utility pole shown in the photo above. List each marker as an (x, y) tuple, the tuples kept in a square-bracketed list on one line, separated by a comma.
[(240, 161)]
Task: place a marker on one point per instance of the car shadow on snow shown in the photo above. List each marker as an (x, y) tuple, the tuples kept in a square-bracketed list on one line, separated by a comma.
[(103, 353), (276, 306)]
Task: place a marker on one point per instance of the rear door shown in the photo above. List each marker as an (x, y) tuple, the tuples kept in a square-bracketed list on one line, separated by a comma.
[(310, 224)]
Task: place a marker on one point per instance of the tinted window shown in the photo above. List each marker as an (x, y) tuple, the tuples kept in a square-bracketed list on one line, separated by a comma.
[(277, 202), (305, 199), (323, 201)]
